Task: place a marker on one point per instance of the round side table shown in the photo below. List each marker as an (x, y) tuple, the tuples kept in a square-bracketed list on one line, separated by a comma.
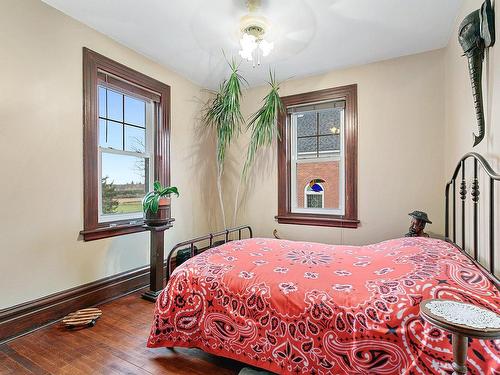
[(463, 320)]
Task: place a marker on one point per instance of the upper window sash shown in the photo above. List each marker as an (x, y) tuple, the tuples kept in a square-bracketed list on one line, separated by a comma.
[(114, 82)]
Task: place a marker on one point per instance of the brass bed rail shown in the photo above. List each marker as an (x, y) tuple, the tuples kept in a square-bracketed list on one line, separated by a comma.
[(489, 200), (225, 234)]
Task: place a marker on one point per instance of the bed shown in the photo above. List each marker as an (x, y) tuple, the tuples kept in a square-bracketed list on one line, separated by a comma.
[(310, 308)]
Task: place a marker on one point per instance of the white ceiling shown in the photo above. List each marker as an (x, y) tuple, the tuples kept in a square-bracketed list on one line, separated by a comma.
[(310, 36)]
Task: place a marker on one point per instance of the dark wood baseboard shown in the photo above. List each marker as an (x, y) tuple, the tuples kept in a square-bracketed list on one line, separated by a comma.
[(28, 316)]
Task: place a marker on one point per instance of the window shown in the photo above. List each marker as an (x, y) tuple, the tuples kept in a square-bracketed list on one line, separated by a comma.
[(125, 144), (317, 157), (317, 150), (314, 194)]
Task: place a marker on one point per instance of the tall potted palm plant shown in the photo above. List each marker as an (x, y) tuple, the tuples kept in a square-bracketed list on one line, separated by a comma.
[(264, 129), (223, 115)]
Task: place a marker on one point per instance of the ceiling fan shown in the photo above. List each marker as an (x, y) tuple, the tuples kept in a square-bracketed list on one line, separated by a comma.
[(267, 24), (253, 29)]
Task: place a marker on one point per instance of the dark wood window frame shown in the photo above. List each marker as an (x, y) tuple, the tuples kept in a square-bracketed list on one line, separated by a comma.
[(96, 68), (285, 214)]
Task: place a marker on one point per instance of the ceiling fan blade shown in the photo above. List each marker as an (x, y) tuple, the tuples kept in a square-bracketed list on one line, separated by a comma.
[(303, 35)]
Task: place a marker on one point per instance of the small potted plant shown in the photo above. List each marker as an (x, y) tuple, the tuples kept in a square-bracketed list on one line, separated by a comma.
[(156, 204)]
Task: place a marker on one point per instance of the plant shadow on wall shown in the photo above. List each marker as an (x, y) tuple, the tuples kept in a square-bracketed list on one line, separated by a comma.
[(223, 117), (205, 164)]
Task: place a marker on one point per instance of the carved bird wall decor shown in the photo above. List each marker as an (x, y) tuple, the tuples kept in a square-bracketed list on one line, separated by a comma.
[(476, 33)]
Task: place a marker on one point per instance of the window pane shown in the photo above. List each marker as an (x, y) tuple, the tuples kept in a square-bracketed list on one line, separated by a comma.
[(321, 177), (102, 101), (135, 139), (115, 135), (112, 136), (115, 106), (135, 111), (102, 133), (329, 121), (306, 124), (123, 183), (306, 145), (314, 201), (329, 143)]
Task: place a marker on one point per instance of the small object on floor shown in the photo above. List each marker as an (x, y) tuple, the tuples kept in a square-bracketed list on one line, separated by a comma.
[(275, 234), (251, 371), (418, 221), (82, 318)]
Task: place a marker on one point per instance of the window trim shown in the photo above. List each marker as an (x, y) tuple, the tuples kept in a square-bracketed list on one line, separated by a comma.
[(285, 214), (93, 66)]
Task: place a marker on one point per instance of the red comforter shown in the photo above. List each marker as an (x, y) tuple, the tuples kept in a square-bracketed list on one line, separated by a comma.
[(309, 308)]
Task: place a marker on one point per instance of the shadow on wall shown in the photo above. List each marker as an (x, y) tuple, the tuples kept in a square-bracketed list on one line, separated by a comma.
[(204, 150), (117, 259), (263, 172), (492, 152)]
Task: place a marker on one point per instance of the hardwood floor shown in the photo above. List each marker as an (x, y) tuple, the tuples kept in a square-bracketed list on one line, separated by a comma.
[(115, 345)]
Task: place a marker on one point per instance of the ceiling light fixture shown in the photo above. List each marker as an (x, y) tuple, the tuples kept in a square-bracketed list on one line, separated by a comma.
[(252, 42)]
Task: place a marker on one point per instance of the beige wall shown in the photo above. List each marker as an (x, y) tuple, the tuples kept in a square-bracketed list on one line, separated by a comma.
[(41, 151), (460, 116), (401, 116)]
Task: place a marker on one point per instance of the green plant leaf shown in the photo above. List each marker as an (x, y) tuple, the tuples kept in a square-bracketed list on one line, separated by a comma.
[(155, 203), (169, 190), (224, 113), (150, 202), (263, 123), (146, 201)]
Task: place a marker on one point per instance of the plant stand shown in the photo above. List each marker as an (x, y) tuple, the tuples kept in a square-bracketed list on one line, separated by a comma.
[(156, 260)]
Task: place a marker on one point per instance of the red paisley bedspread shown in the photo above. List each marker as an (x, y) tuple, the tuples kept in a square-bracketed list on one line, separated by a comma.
[(309, 308)]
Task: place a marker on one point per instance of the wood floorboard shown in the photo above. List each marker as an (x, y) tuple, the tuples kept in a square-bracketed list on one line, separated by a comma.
[(116, 345)]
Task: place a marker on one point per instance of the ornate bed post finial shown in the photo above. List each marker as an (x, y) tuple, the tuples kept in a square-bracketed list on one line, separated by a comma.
[(475, 191), (463, 190)]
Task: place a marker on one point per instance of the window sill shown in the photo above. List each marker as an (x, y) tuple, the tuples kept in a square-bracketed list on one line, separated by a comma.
[(111, 231), (317, 220)]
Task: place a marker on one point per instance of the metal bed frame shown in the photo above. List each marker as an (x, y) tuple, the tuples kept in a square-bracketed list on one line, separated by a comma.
[(478, 161), (210, 238)]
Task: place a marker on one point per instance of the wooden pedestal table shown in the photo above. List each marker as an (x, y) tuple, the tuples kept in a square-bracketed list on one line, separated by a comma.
[(156, 260), (463, 320)]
